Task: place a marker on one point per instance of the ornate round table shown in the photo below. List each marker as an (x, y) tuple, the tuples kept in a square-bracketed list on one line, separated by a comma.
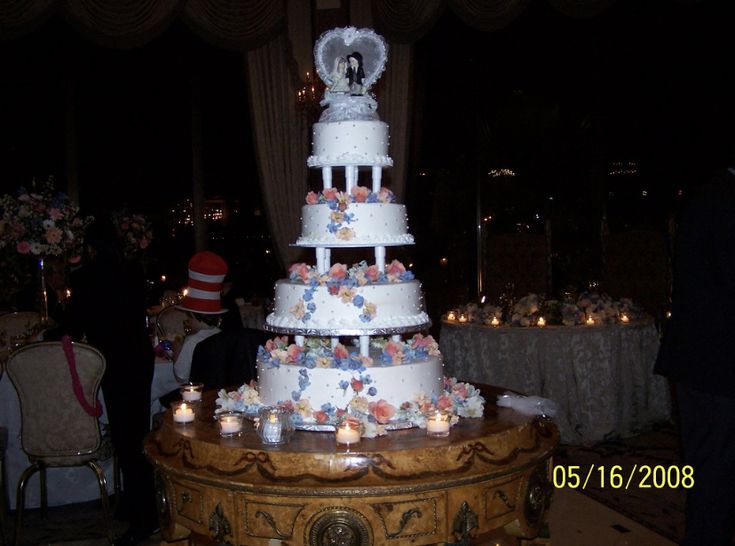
[(405, 487)]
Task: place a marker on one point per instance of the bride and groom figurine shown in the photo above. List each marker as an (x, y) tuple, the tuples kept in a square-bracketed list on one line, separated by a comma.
[(348, 75)]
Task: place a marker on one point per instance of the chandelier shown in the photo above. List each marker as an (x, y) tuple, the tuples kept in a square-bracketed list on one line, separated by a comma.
[(308, 97)]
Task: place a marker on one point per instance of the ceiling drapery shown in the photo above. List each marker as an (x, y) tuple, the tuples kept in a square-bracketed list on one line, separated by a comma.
[(257, 26)]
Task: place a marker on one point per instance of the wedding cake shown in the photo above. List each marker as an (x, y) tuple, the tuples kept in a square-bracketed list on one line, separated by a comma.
[(357, 347)]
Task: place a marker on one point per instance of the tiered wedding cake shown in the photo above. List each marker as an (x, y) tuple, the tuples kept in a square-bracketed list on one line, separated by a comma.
[(348, 355)]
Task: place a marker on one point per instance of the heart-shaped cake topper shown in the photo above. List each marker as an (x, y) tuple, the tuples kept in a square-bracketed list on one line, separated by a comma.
[(350, 60)]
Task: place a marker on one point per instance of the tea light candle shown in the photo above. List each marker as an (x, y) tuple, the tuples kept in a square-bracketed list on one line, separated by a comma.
[(451, 316), (347, 435), (495, 322), (624, 318), (230, 423), (272, 430), (590, 321), (541, 322), (438, 425), (183, 414), (462, 318), (192, 392)]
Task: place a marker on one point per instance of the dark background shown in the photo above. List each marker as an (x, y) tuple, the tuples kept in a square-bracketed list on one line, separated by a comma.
[(558, 100)]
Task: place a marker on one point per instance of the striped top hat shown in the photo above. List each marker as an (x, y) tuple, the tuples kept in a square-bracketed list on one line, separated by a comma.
[(207, 270)]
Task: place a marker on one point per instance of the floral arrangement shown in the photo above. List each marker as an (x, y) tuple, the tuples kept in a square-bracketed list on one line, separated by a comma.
[(372, 417), (588, 308), (134, 230), (41, 222), (341, 282), (338, 202)]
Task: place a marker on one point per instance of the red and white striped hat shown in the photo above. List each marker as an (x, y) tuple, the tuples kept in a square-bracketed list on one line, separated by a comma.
[(207, 270)]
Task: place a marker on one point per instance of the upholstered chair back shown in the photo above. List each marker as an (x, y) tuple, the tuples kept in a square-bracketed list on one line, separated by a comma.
[(18, 324), (56, 428)]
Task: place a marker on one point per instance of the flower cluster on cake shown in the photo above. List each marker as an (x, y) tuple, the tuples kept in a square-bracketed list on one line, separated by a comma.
[(348, 359)]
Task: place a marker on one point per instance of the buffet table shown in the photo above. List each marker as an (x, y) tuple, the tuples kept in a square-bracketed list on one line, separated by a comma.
[(600, 376), (488, 474)]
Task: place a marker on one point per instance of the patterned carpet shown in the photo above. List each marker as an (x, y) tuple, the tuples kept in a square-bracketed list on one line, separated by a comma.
[(661, 509)]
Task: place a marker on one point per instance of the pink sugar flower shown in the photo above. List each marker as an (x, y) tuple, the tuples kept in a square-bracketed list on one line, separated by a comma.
[(330, 194), (311, 198), (293, 352), (338, 272), (382, 411), (356, 385), (321, 417), (301, 270), (340, 351), (444, 402), (372, 273), (395, 268), (360, 194)]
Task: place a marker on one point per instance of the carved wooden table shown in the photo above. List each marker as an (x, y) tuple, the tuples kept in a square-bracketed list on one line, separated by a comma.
[(402, 488)]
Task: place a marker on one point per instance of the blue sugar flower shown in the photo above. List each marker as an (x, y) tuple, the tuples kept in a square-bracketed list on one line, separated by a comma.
[(372, 391), (407, 276), (295, 396), (308, 294), (358, 301), (344, 384), (311, 306)]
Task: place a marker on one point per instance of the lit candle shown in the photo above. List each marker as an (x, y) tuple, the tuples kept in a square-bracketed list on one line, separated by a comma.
[(68, 293), (271, 432), (495, 322), (438, 425), (624, 318), (541, 322), (590, 321), (183, 414), (347, 435), (462, 318), (192, 392), (230, 424), (451, 316)]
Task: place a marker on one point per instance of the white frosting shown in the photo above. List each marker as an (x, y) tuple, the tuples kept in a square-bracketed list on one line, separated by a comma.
[(398, 305), (355, 142), (394, 384), (374, 224)]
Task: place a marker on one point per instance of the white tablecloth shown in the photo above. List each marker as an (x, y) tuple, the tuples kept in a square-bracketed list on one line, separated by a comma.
[(64, 485), (600, 376)]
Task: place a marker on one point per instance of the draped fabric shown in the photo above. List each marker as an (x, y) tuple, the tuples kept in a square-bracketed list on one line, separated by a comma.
[(280, 142), (275, 59)]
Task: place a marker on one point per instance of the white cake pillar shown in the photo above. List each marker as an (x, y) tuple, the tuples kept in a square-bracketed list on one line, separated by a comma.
[(364, 345), (377, 175), (380, 258), (327, 177), (350, 177), (395, 338), (299, 340), (334, 341), (321, 260), (328, 258)]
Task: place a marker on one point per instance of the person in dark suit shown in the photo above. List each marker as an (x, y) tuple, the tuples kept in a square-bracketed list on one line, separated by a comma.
[(227, 359), (107, 309), (697, 354)]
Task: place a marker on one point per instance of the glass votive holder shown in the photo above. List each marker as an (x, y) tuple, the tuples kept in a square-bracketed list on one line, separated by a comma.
[(437, 424), (274, 425), (191, 392), (452, 314), (183, 412), (230, 423), (348, 433)]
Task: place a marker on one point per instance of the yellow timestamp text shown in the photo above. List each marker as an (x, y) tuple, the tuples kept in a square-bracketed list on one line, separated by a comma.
[(617, 477)]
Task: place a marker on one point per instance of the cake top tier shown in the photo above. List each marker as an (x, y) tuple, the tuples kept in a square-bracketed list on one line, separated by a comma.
[(349, 61)]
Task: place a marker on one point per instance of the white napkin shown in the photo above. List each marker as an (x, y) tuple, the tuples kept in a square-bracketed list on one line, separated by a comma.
[(528, 405)]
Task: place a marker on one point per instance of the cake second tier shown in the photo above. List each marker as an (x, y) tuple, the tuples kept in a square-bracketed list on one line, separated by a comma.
[(332, 310)]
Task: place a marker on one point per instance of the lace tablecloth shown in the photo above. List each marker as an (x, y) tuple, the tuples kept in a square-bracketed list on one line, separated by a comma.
[(64, 485), (600, 376)]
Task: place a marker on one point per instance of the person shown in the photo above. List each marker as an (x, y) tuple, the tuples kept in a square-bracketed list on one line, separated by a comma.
[(203, 306), (340, 82), (696, 354), (355, 73), (107, 309)]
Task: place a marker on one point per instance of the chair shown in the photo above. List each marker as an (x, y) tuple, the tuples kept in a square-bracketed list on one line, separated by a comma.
[(19, 323), (56, 431), (3, 486), (170, 323)]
